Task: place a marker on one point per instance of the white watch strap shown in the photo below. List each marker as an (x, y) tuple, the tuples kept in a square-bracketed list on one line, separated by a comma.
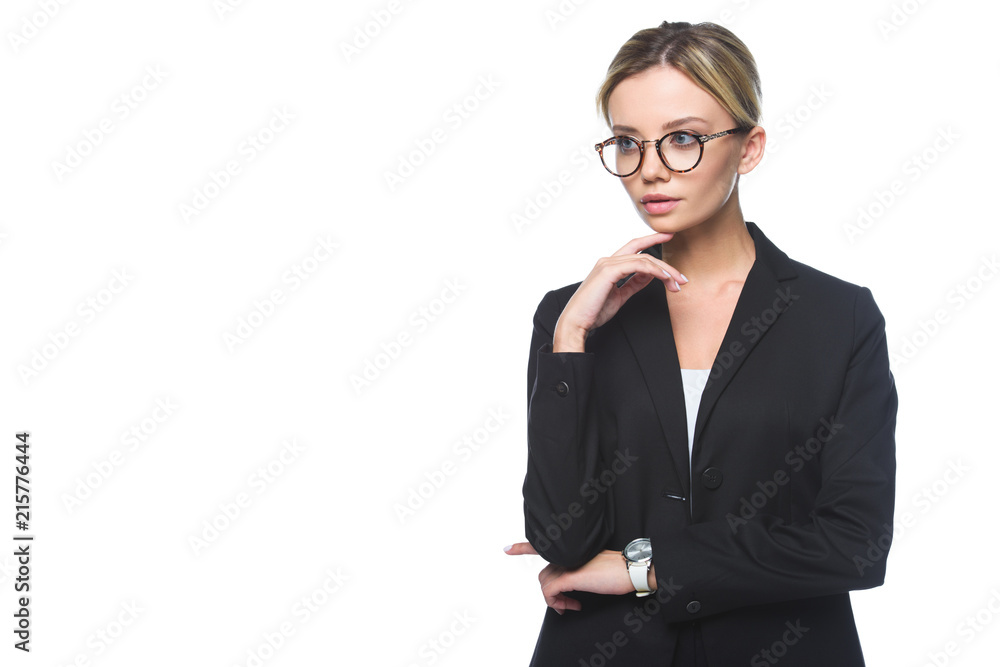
[(639, 573)]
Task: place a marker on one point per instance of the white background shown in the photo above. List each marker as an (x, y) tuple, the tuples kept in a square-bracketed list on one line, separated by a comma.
[(848, 104)]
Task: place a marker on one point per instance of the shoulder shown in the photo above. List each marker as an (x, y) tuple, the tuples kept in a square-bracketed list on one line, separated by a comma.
[(833, 285), (811, 277), (829, 297), (828, 293)]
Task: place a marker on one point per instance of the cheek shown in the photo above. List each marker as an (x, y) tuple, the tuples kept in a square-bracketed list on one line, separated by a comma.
[(718, 181), (630, 186)]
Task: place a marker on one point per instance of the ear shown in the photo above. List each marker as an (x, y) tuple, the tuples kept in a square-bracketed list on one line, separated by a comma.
[(752, 149)]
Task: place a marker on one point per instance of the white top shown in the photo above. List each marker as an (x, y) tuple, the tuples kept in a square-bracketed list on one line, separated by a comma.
[(695, 380)]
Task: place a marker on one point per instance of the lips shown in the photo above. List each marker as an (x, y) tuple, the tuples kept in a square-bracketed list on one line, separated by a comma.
[(656, 204), (655, 197)]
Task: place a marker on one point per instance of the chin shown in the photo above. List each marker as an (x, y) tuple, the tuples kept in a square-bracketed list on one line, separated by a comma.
[(663, 223)]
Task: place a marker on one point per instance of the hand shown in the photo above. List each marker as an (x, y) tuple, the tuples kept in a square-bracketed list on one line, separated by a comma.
[(605, 573), (598, 298)]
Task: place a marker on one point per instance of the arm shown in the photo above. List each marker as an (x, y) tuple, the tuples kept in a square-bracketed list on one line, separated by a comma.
[(728, 564), (565, 525)]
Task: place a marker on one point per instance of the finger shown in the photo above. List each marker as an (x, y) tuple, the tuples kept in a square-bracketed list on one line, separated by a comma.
[(643, 242), (669, 272), (561, 603), (635, 284), (553, 589), (556, 581), (520, 549), (625, 264), (569, 603), (548, 573)]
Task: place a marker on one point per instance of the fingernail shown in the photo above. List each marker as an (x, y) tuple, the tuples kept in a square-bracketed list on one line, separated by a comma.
[(684, 277), (508, 547), (559, 611)]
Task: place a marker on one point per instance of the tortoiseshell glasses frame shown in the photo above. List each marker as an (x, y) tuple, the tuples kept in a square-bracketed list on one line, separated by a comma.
[(700, 138)]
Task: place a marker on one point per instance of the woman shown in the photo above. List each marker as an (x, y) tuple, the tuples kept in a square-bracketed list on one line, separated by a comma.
[(711, 461)]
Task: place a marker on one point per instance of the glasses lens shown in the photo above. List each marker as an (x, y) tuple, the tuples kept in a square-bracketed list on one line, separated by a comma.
[(681, 151), (621, 155)]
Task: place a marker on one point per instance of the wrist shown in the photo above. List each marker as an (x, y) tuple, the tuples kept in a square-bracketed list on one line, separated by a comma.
[(571, 342), (569, 338), (638, 555)]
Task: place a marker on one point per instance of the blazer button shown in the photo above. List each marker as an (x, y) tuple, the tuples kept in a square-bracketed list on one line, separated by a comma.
[(693, 607), (562, 388), (711, 478)]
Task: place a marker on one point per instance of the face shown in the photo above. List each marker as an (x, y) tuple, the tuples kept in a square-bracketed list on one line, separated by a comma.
[(640, 106)]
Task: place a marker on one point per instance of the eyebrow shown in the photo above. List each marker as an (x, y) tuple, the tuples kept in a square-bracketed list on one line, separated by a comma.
[(665, 126)]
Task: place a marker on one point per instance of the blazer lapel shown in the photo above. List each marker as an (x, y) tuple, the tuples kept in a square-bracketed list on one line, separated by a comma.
[(645, 321)]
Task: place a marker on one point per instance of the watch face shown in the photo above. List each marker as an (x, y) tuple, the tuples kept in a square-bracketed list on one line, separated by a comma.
[(639, 550)]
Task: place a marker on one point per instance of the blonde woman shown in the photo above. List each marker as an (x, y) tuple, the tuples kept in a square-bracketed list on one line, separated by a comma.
[(711, 424)]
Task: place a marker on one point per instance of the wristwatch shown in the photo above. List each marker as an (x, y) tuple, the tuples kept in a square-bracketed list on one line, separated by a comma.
[(638, 559)]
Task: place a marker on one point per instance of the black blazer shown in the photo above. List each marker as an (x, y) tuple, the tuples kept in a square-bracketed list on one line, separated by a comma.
[(790, 503)]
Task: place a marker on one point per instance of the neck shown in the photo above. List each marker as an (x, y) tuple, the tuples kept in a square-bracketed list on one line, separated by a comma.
[(713, 252)]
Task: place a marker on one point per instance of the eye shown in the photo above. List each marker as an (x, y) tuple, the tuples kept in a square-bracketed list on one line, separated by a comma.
[(683, 140), (626, 145)]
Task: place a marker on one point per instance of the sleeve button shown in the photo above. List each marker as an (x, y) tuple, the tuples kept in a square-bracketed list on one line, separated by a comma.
[(562, 389), (693, 607)]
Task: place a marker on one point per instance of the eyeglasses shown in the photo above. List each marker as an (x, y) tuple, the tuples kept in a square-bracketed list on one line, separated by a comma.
[(679, 152)]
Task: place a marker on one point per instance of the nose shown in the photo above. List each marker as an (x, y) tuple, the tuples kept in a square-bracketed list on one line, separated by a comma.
[(652, 167)]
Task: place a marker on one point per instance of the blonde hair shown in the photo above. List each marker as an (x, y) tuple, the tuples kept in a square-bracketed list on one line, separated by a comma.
[(714, 58)]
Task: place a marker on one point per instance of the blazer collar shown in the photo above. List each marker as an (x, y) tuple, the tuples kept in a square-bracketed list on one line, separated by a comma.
[(645, 320)]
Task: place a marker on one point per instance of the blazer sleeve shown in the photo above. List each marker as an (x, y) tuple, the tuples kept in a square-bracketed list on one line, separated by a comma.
[(566, 524), (843, 545)]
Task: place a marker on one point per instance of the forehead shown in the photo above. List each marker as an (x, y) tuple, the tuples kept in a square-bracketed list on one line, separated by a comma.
[(655, 96)]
